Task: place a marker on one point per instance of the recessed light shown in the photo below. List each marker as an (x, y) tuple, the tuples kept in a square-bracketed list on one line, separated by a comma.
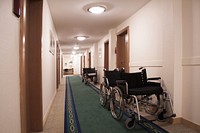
[(97, 9), (73, 52)]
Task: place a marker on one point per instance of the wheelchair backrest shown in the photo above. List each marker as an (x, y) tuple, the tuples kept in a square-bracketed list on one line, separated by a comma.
[(144, 77), (88, 70), (134, 80), (112, 76)]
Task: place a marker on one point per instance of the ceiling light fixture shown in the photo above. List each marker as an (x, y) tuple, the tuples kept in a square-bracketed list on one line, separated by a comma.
[(76, 47), (73, 52), (97, 9), (81, 38)]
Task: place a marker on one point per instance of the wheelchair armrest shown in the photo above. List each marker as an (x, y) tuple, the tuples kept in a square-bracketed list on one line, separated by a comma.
[(154, 78)]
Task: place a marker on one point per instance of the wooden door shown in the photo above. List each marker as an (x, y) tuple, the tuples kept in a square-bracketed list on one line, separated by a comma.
[(89, 59), (106, 55), (57, 65), (123, 49)]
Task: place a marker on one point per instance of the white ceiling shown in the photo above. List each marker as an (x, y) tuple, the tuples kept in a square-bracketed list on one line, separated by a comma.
[(71, 19)]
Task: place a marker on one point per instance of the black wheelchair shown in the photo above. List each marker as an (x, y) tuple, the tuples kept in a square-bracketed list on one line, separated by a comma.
[(109, 81), (89, 75), (135, 91)]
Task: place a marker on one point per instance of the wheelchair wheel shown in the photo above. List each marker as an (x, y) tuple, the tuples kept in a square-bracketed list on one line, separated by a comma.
[(95, 80), (117, 103), (130, 123), (103, 95), (152, 104), (85, 81)]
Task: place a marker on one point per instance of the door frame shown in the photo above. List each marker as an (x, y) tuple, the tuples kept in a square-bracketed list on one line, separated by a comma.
[(30, 61)]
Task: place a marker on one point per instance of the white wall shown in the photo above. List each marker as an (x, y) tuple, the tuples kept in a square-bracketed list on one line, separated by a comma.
[(76, 64), (9, 69), (67, 59), (191, 60), (48, 61), (100, 64)]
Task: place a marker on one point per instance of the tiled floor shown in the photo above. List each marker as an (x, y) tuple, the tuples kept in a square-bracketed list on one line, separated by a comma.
[(55, 120)]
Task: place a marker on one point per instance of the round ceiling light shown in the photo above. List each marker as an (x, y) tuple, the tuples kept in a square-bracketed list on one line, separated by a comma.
[(98, 9), (76, 47), (81, 38)]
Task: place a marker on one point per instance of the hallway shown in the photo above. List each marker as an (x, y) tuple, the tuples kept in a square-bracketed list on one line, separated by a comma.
[(39, 41), (55, 120)]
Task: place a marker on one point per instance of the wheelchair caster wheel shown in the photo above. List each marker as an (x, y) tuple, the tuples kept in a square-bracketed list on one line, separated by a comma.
[(130, 123)]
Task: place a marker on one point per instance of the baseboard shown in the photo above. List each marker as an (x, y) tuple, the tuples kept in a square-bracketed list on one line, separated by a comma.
[(48, 110), (187, 123)]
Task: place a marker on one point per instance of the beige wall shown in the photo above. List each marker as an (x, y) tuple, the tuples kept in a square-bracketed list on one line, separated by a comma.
[(9, 69), (191, 60), (48, 61)]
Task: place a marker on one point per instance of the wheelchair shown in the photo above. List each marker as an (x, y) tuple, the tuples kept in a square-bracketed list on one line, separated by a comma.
[(135, 91), (89, 75), (109, 81)]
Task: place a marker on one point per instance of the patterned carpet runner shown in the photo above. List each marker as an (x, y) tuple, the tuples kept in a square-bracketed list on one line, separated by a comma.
[(84, 114)]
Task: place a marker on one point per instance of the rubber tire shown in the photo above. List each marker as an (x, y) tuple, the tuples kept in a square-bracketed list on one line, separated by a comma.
[(130, 123), (116, 92), (103, 95)]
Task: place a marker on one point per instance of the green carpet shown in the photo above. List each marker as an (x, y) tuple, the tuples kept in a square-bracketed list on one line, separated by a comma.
[(91, 116)]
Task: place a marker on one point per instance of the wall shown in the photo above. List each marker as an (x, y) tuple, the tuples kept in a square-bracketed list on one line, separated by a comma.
[(67, 59), (100, 64), (76, 64), (191, 60), (9, 70), (48, 61)]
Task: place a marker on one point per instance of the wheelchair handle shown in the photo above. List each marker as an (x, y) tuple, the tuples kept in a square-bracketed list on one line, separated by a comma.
[(141, 68)]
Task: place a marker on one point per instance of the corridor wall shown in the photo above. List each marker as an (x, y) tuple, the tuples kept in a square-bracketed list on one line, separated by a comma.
[(191, 60), (9, 69), (49, 37)]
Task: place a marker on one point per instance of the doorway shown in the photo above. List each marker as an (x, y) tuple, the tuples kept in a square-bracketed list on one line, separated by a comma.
[(89, 59), (122, 49), (106, 55), (57, 64)]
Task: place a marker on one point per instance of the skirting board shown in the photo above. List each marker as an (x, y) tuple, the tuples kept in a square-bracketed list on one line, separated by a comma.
[(187, 123)]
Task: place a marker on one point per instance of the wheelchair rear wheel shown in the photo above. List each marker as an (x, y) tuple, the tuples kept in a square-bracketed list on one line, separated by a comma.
[(152, 104), (117, 103), (103, 95)]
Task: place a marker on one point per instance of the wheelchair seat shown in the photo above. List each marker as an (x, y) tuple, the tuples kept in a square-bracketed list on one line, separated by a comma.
[(147, 90), (138, 85)]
